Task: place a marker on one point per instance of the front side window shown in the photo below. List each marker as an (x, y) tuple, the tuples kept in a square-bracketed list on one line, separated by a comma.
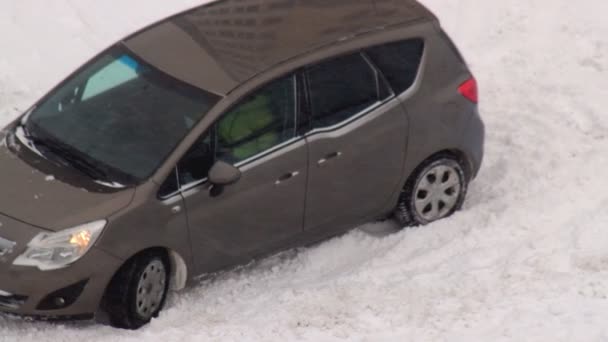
[(257, 124), (118, 114), (260, 122), (341, 88)]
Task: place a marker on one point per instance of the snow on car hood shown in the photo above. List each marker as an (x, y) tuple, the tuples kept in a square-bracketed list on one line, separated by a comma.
[(37, 192)]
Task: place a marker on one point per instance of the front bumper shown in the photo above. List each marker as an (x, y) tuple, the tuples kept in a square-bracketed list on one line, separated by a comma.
[(74, 291)]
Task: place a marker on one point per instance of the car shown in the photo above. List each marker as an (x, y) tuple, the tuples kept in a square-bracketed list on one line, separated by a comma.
[(226, 133)]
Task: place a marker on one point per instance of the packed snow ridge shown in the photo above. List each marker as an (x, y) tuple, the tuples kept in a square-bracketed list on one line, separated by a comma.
[(527, 258)]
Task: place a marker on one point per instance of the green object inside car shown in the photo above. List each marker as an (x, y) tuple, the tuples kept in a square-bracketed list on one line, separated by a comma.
[(248, 129)]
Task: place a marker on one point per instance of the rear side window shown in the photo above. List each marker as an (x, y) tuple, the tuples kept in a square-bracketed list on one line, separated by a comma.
[(399, 62), (342, 88)]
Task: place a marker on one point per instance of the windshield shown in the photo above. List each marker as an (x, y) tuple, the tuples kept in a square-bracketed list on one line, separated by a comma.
[(120, 114)]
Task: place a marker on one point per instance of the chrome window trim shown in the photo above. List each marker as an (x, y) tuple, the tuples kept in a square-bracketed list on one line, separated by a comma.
[(340, 124), (400, 97), (191, 185), (379, 78), (350, 120), (356, 117)]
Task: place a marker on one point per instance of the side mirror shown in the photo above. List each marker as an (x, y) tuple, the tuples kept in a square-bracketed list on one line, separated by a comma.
[(223, 174)]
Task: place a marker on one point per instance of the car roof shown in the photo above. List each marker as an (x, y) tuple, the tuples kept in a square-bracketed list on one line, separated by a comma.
[(238, 39)]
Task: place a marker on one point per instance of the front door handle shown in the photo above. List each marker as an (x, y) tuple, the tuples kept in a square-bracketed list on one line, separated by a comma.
[(329, 157), (287, 177)]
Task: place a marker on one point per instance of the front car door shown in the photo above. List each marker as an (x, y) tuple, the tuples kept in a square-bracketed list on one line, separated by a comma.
[(357, 143), (266, 206)]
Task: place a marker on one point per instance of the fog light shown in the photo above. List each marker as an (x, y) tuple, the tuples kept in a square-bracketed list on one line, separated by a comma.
[(59, 302), (63, 298)]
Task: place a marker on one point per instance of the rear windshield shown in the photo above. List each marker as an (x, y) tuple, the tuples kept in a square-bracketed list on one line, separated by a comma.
[(120, 114)]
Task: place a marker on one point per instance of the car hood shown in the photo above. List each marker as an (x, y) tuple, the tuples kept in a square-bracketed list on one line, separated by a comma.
[(37, 192)]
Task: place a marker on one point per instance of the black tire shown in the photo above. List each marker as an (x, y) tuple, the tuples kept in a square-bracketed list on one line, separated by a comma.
[(406, 213), (120, 300)]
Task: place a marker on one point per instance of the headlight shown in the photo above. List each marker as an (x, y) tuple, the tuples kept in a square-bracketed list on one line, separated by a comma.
[(51, 251)]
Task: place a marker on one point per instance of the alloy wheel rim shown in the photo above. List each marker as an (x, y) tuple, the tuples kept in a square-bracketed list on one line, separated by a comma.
[(151, 289), (437, 192)]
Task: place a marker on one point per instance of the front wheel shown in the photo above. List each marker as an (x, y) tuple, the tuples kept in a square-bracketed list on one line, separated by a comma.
[(138, 291), (436, 190)]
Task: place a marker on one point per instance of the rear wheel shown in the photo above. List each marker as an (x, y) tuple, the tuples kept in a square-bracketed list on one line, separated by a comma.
[(138, 291), (436, 190)]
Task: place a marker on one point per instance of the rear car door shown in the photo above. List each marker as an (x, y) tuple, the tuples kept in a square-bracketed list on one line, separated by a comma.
[(266, 206), (357, 142)]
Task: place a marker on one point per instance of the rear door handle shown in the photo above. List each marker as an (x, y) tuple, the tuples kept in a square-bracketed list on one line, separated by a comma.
[(287, 177), (329, 157)]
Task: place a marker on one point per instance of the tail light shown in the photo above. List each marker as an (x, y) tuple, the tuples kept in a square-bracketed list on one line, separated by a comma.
[(469, 90)]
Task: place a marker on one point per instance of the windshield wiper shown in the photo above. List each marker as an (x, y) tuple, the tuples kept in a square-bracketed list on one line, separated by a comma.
[(67, 156), (80, 163)]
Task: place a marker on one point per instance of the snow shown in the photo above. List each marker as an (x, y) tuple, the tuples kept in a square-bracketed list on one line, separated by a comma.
[(527, 258)]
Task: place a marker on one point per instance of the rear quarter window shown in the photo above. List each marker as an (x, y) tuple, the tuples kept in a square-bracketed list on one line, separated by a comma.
[(399, 62)]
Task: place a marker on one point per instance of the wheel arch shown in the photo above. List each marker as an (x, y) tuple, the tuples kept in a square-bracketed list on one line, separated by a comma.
[(178, 268), (454, 153), (460, 156)]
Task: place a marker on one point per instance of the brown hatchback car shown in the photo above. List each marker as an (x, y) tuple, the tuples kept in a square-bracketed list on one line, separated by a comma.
[(222, 134)]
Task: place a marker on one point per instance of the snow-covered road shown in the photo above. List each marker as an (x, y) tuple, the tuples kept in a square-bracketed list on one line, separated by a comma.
[(527, 260)]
